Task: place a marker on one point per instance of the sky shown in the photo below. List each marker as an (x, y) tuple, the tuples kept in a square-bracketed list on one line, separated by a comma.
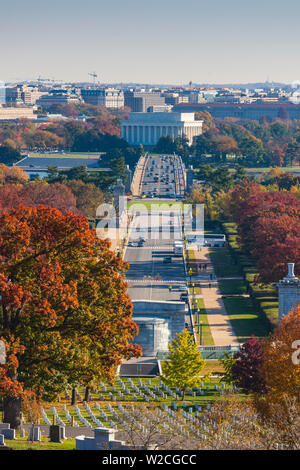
[(151, 41)]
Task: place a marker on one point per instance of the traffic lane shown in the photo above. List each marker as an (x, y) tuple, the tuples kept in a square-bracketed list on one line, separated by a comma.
[(146, 261), (154, 291), (173, 271), (140, 262)]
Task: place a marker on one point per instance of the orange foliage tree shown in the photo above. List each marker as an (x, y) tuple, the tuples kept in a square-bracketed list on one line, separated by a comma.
[(64, 309), (280, 368)]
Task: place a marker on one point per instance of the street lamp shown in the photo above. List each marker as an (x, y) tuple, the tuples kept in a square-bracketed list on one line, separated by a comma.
[(190, 274), (200, 324)]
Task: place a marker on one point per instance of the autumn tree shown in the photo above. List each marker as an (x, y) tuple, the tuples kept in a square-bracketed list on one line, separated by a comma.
[(64, 305), (269, 229), (280, 368), (12, 175), (9, 155), (183, 364), (232, 201), (245, 370), (35, 193), (88, 197), (252, 151)]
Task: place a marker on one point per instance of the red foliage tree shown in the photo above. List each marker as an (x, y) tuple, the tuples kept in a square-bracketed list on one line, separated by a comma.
[(245, 371), (55, 195), (269, 227), (65, 311)]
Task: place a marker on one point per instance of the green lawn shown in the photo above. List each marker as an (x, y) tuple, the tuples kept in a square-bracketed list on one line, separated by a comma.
[(232, 286), (45, 444), (244, 320), (198, 304), (91, 155), (223, 262), (154, 204)]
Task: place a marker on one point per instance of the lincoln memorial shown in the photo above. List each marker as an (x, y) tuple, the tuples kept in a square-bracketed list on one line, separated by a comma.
[(147, 128)]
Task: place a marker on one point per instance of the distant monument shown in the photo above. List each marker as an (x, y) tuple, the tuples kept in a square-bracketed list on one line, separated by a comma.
[(288, 292), (189, 178), (128, 182), (119, 197)]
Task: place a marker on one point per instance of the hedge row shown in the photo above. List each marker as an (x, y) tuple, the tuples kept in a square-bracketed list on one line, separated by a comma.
[(264, 297)]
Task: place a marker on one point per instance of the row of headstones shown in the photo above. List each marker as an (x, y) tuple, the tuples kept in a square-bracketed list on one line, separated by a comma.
[(57, 418), (81, 418), (136, 390), (185, 418), (168, 391), (33, 435), (169, 423), (91, 414), (141, 426), (178, 422)]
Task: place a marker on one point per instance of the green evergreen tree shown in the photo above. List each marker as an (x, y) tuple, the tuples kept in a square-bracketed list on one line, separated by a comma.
[(184, 363)]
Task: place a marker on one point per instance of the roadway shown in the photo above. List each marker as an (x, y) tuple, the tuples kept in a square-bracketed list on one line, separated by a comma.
[(149, 277), (163, 177)]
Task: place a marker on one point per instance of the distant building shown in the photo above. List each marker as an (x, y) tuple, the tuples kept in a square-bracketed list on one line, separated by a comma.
[(140, 101), (12, 113), (109, 97), (59, 97), (22, 94), (147, 128), (254, 111), (160, 109), (2, 93)]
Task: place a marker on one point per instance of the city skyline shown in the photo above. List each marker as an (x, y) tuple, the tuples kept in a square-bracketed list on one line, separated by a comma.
[(155, 43)]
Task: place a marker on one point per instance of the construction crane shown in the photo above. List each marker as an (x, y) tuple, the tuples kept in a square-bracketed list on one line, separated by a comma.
[(94, 75)]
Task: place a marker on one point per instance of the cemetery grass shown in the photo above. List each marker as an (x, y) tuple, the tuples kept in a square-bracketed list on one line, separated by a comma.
[(208, 398), (45, 444)]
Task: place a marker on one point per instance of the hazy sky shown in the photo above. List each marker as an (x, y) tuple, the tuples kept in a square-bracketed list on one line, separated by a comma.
[(152, 41)]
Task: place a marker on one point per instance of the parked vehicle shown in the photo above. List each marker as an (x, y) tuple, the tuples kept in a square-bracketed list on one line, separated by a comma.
[(183, 288)]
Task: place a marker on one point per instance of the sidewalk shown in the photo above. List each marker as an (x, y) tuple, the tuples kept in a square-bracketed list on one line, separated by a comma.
[(220, 326)]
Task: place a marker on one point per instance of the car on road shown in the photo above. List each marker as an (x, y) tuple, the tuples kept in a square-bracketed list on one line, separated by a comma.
[(167, 260), (183, 288), (140, 243), (130, 243)]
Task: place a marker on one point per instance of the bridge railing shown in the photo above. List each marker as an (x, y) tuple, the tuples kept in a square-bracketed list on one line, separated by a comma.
[(208, 352)]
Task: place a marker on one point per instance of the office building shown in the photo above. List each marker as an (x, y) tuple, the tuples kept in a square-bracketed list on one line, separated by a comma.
[(140, 101), (59, 97), (254, 111), (109, 97)]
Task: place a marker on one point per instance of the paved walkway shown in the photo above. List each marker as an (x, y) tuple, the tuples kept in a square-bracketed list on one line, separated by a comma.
[(220, 326)]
